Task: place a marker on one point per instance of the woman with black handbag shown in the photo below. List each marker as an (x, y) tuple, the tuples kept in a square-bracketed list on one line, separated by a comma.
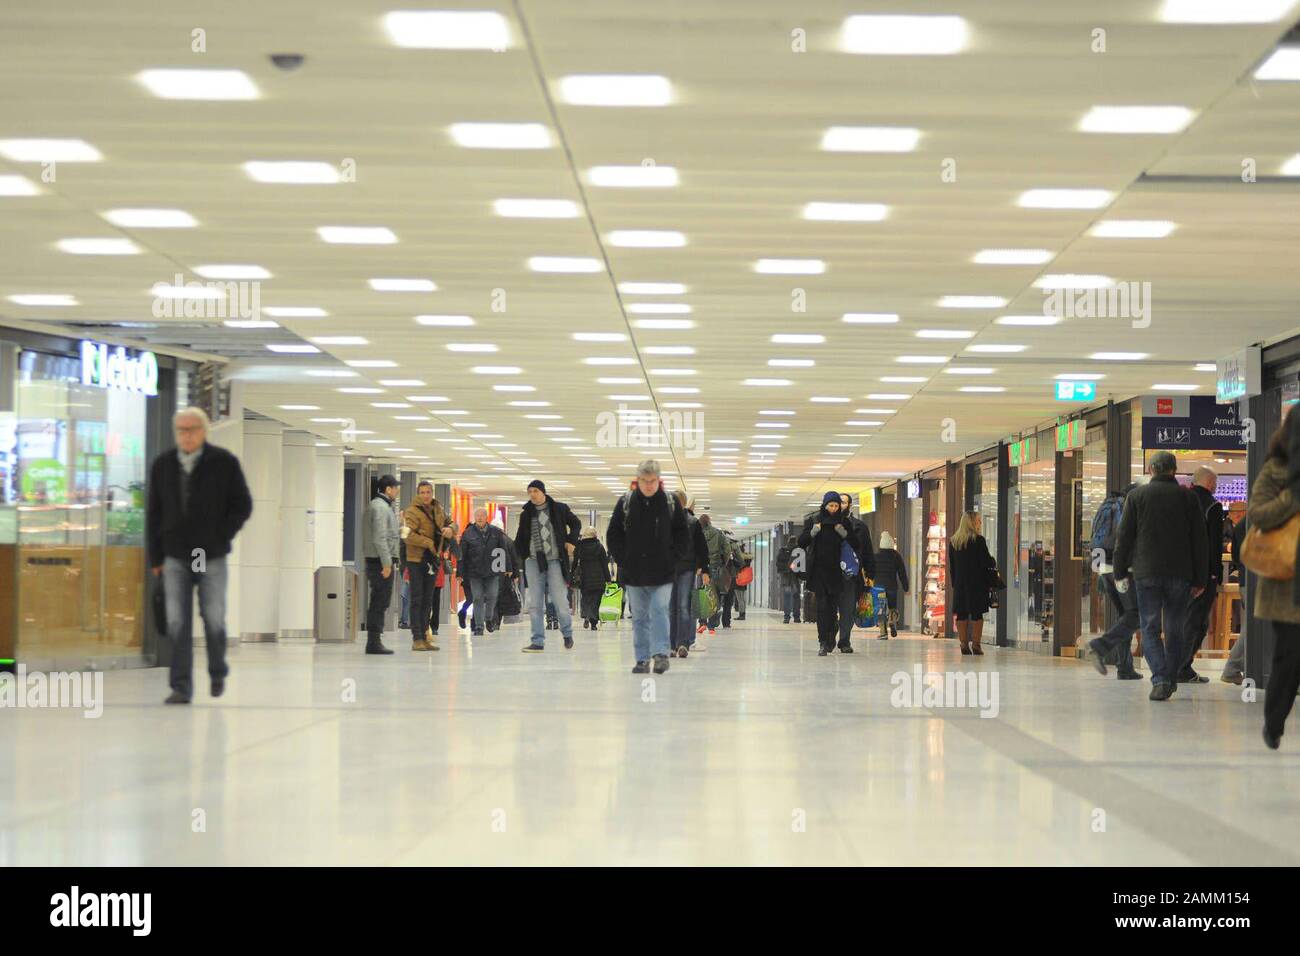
[(969, 567)]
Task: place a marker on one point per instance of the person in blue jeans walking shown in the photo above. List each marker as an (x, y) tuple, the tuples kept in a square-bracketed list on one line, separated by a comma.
[(1161, 549), (694, 561), (647, 533), (546, 539)]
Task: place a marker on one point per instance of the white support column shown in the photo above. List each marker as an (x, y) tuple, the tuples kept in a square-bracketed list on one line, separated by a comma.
[(297, 549), (260, 556), (329, 507)]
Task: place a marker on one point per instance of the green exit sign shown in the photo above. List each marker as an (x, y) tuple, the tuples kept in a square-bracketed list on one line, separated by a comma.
[(1076, 391)]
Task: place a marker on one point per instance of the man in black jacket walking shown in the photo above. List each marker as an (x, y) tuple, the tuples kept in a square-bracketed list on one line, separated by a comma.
[(198, 501), (1204, 481), (1161, 549), (647, 533), (547, 535)]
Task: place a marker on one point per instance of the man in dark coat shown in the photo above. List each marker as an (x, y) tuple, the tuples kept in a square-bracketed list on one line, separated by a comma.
[(824, 534), (1199, 611), (547, 536), (198, 501)]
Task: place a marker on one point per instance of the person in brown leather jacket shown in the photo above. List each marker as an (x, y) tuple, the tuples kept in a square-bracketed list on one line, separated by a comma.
[(428, 533)]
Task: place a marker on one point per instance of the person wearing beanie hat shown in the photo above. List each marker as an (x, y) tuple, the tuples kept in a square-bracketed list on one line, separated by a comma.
[(823, 534), (545, 542)]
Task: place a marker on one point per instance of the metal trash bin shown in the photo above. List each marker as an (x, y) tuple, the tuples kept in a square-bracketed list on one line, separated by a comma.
[(335, 620)]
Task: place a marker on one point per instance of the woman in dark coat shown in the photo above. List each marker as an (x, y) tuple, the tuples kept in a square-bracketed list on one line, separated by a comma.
[(822, 537), (590, 574), (969, 563), (891, 574)]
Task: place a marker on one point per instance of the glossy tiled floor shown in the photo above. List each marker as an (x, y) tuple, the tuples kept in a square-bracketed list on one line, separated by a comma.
[(756, 752)]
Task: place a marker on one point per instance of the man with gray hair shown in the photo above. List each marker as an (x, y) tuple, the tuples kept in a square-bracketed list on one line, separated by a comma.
[(1204, 482), (1161, 547), (198, 501), (647, 533)]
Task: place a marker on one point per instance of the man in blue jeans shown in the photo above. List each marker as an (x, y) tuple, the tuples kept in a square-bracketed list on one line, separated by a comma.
[(647, 532), (198, 501), (1161, 549), (546, 539)]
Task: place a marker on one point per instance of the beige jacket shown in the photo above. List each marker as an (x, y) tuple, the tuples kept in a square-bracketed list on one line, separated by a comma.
[(1271, 504)]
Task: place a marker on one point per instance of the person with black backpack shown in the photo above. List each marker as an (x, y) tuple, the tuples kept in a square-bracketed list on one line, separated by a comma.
[(824, 534), (1204, 481), (1117, 642)]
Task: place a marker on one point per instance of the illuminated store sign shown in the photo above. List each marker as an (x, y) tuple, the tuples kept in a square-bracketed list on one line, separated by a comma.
[(113, 367)]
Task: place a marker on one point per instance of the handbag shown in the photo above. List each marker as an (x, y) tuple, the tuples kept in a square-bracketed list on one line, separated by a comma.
[(1271, 554), (611, 603), (745, 577), (508, 603), (706, 602), (864, 613)]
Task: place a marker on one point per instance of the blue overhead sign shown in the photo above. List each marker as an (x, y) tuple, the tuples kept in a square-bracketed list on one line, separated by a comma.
[(1076, 391)]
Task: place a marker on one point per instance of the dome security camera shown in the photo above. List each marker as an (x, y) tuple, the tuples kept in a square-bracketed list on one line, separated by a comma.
[(287, 61)]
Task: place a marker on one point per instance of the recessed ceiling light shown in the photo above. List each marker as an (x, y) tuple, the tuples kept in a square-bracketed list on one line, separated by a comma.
[(199, 84), (1118, 356), (501, 135), (536, 208), (427, 398), (403, 285), (1204, 367), (766, 382), (49, 151), (870, 318), (1072, 281), (448, 29), (1136, 119), (874, 411), (401, 382), (791, 363), (784, 338), (1064, 198), (944, 334), (294, 311), (18, 186), (658, 308), (616, 89), (1283, 64), (664, 324), (471, 347), (903, 35), (232, 272), (339, 340), (332, 373), (251, 324), (300, 408), (371, 363), (513, 388), (646, 238), (1215, 11), (292, 172), (292, 348), (790, 267), (43, 299), (1012, 257), (151, 218), (982, 388), (1027, 320), (496, 370), (870, 139), (1167, 387), (1079, 377), (599, 337), (776, 411), (389, 405), (858, 423), (845, 211), (99, 247), (530, 404), (1132, 229), (360, 390), (651, 288), (922, 359), (971, 302), (357, 235), (564, 264), (996, 349)]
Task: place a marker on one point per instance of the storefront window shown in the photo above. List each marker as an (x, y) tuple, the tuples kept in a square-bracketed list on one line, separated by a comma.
[(1093, 615), (935, 552), (986, 503), (1031, 586), (74, 477)]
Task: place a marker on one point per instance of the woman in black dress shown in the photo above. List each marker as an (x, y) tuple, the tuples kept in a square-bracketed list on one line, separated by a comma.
[(969, 563)]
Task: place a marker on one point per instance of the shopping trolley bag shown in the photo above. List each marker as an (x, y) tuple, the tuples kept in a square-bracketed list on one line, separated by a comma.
[(611, 603)]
